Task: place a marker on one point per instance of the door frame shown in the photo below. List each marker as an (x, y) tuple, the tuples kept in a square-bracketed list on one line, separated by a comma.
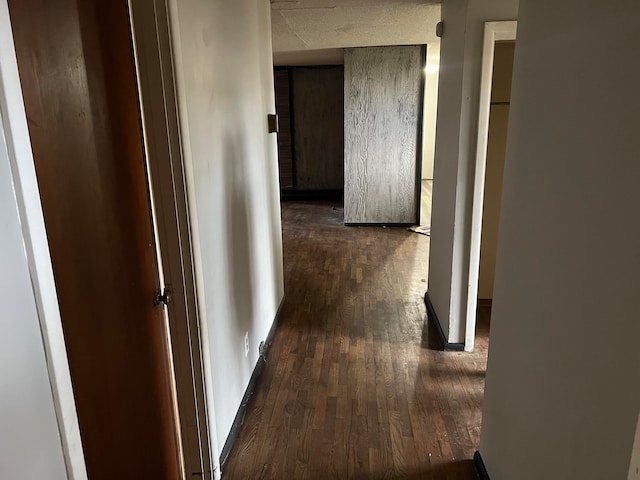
[(16, 131), (152, 40), (493, 32), (173, 238)]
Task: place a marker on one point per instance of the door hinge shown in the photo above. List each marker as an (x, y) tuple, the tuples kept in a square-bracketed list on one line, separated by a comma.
[(162, 296)]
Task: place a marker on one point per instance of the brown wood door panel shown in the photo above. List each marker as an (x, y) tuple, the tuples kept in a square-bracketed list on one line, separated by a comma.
[(318, 117), (285, 142), (78, 79)]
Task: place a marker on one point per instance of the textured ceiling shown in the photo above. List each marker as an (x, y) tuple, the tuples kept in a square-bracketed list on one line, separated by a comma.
[(305, 29)]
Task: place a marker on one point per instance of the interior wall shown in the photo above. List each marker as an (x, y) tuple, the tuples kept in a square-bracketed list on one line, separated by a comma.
[(456, 136), (430, 109), (29, 428), (232, 179), (285, 137), (496, 149), (562, 397), (383, 106), (318, 133)]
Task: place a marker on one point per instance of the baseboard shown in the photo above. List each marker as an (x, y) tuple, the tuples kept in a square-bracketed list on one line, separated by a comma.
[(433, 317), (255, 375), (481, 469), (485, 302), (296, 195), (356, 224)]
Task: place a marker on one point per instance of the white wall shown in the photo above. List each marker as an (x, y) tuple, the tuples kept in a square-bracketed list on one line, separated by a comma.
[(30, 443), (430, 109), (456, 135), (562, 396), (225, 88)]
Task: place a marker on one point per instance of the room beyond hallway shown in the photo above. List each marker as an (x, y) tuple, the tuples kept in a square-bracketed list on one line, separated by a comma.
[(426, 195), (354, 385)]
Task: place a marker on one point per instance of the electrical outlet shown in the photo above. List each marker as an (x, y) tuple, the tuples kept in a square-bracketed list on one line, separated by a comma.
[(246, 344), (634, 468)]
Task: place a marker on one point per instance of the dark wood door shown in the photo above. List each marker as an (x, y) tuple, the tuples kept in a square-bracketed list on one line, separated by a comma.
[(285, 143), (78, 78)]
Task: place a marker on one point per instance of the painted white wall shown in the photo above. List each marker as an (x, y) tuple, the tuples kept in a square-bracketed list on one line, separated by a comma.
[(562, 397), (432, 68), (456, 134), (30, 443), (224, 76)]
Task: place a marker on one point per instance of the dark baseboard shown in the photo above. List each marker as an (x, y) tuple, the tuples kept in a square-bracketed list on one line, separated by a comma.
[(355, 224), (294, 195), (257, 370), (481, 469), (485, 302), (431, 313)]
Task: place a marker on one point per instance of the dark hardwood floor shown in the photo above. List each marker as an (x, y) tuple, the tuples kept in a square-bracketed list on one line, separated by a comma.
[(354, 385)]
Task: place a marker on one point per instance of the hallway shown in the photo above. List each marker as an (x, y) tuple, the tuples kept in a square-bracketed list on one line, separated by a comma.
[(354, 385)]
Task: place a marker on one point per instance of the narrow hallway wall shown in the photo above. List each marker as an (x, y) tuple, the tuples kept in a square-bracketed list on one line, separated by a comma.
[(562, 394), (225, 87)]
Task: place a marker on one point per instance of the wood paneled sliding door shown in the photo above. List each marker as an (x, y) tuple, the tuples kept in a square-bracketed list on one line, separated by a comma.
[(382, 134)]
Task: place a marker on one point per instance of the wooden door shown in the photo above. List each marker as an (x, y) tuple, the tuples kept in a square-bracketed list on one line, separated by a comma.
[(78, 79), (318, 117), (383, 106), (285, 143)]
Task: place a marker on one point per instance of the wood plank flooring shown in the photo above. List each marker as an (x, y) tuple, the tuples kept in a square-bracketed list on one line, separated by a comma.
[(354, 386)]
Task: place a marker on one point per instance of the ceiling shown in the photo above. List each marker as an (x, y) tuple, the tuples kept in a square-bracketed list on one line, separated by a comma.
[(307, 32)]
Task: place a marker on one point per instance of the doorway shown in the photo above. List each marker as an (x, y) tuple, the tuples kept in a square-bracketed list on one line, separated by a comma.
[(131, 367), (429, 115), (495, 91)]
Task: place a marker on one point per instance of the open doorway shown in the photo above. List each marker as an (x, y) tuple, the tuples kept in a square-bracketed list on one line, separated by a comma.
[(430, 106), (495, 93), (98, 204), (496, 149), (170, 211)]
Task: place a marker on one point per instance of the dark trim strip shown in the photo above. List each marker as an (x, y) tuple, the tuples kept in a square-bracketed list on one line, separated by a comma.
[(482, 470), (431, 313), (391, 224), (296, 195), (485, 302), (498, 104), (292, 131), (242, 410)]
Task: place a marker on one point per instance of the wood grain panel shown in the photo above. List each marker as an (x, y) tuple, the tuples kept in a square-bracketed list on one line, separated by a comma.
[(383, 108), (78, 79), (318, 116), (285, 142)]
